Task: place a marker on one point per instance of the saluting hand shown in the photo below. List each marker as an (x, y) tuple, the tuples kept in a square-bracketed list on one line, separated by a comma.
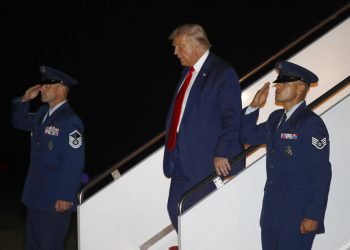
[(260, 96), (31, 93)]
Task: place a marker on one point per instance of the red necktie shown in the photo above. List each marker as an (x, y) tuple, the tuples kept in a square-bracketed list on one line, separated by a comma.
[(177, 111)]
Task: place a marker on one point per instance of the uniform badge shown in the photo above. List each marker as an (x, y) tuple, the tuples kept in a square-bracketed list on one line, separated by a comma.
[(75, 139), (288, 151), (319, 144), (50, 145)]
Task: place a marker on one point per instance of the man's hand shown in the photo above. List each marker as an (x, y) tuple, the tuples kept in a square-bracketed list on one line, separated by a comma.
[(31, 93), (260, 96), (307, 226), (222, 166), (63, 206)]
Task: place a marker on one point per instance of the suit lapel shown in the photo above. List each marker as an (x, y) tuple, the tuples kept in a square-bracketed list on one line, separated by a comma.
[(290, 121), (295, 117), (56, 113), (277, 121), (198, 84), (42, 116)]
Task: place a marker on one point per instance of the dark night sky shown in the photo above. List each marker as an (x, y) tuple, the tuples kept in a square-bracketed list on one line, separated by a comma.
[(125, 64)]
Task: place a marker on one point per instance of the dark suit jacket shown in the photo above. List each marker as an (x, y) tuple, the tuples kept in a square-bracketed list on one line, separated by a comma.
[(57, 155), (211, 121), (297, 166)]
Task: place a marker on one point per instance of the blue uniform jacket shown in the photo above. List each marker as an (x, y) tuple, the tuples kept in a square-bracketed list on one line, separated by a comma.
[(57, 154), (297, 167), (211, 121)]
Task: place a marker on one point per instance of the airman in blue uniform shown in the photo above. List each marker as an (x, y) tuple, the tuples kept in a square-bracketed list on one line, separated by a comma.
[(297, 163), (56, 162)]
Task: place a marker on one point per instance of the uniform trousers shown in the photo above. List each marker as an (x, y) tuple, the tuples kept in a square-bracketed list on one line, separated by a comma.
[(46, 230), (275, 240)]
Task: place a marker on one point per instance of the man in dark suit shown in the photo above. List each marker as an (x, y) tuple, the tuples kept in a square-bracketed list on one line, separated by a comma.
[(56, 162), (203, 123), (297, 162)]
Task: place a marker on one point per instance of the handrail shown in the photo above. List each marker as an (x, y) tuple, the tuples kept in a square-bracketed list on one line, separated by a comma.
[(214, 175), (118, 165), (250, 149), (160, 136), (300, 39)]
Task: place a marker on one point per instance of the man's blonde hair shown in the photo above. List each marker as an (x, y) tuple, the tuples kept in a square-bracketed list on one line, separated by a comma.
[(193, 31)]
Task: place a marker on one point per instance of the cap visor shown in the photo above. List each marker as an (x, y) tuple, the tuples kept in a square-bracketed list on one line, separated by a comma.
[(283, 79)]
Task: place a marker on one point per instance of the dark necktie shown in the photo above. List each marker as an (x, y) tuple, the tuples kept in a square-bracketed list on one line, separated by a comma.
[(283, 119), (177, 111), (46, 116)]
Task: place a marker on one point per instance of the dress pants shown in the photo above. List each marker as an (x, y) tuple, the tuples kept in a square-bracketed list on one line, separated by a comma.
[(179, 185), (46, 230), (275, 240)]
